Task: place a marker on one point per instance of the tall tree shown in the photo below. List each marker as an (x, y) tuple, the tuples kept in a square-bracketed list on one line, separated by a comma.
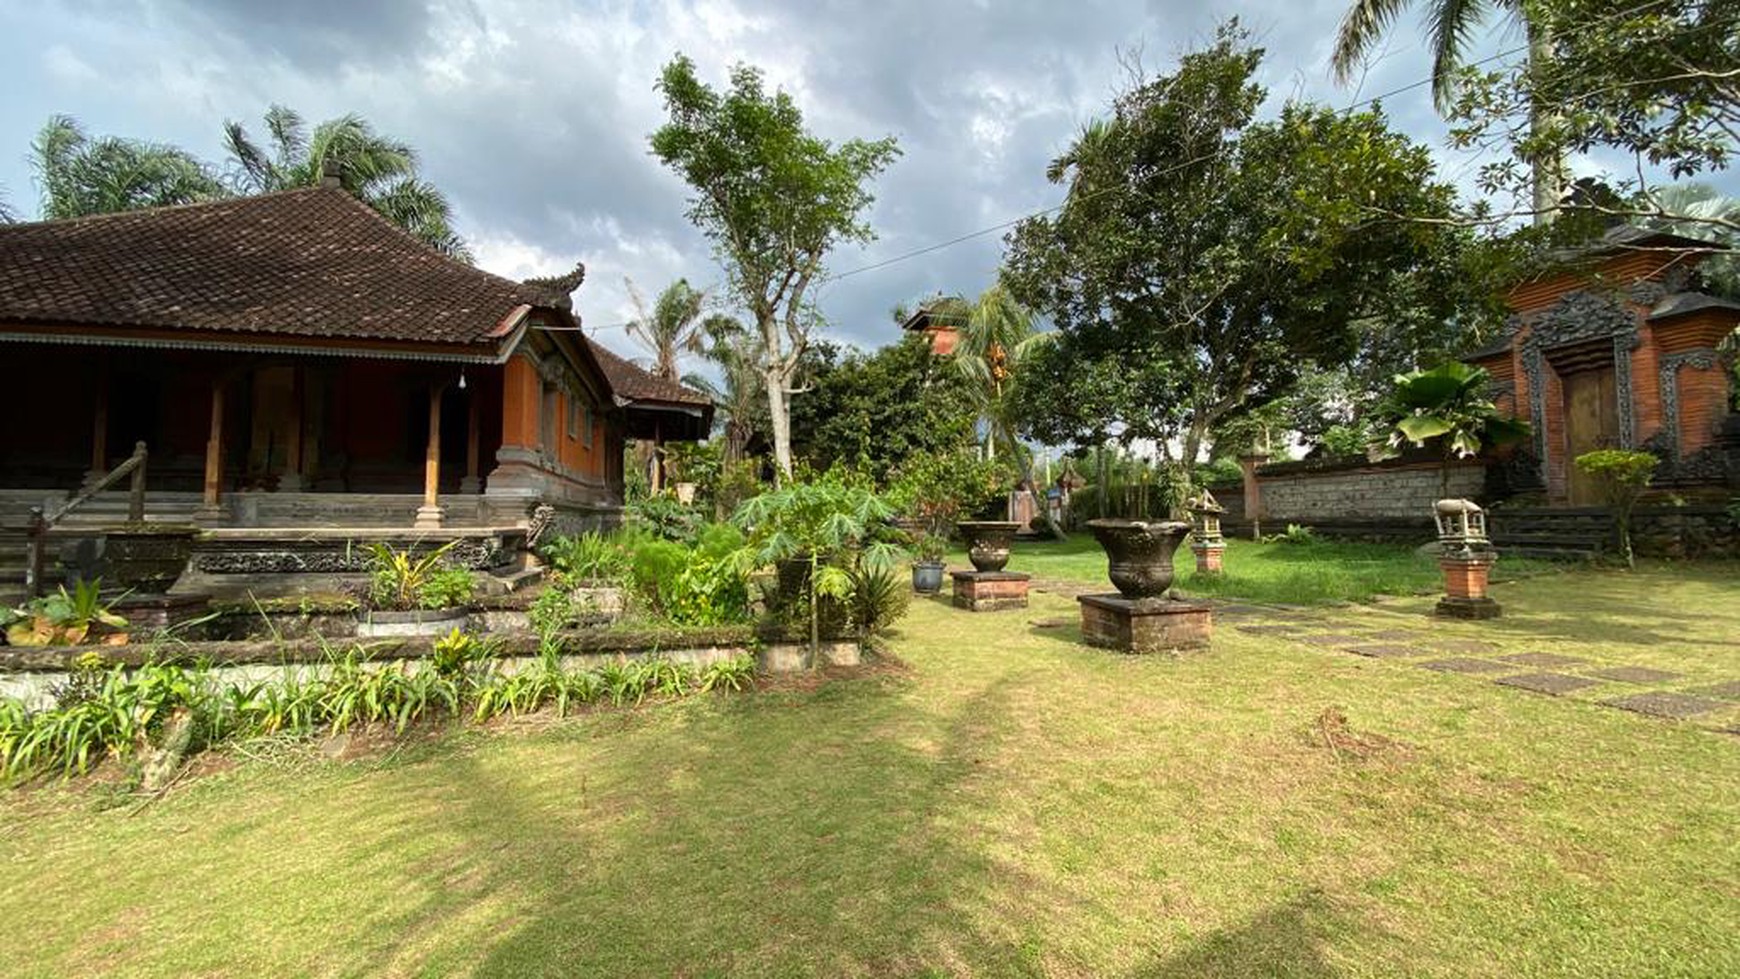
[(672, 328), (1450, 26), (774, 199), (80, 174), (376, 169), (1202, 261), (1657, 81)]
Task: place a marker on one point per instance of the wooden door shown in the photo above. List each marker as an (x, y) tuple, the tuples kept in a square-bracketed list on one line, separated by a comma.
[(1591, 422)]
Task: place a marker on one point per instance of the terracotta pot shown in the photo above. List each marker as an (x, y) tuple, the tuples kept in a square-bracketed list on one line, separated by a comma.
[(988, 542), (147, 558), (1139, 553)]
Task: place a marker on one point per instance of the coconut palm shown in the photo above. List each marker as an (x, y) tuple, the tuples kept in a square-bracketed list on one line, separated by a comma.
[(377, 170), (672, 328), (1450, 27), (83, 175), (737, 397), (996, 332)]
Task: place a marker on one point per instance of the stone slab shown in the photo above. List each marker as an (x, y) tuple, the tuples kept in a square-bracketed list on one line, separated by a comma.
[(1386, 650), (1544, 660), (1395, 635), (1635, 674), (1551, 683), (1460, 664), (1721, 691), (1463, 645), (1459, 607), (1657, 704), (1145, 626)]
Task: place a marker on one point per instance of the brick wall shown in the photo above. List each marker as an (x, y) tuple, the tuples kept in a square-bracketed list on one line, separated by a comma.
[(1300, 493)]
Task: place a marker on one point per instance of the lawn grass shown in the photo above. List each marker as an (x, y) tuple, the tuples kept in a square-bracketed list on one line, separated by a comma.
[(1004, 802), (1277, 572)]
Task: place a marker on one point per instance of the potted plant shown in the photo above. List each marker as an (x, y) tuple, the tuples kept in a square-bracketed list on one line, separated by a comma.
[(412, 595), (927, 565), (1139, 553)]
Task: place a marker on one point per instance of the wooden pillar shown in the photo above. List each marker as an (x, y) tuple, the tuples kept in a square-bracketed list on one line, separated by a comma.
[(99, 434), (290, 481), (430, 513), (214, 456), (471, 484)]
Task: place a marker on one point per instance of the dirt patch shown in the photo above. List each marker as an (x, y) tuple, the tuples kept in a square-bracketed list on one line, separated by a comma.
[(1332, 732)]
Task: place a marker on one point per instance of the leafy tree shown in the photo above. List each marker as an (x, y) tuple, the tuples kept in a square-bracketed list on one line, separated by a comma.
[(1449, 403), (1658, 81), (377, 170), (1202, 261), (81, 174), (774, 199), (674, 326), (873, 411), (1624, 476)]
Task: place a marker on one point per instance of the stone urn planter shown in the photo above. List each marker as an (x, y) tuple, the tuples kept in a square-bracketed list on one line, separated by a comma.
[(988, 542), (927, 577), (378, 624), (686, 493), (1139, 553), (147, 558)]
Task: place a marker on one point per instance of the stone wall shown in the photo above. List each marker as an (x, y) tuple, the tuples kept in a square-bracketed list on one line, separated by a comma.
[(1304, 492)]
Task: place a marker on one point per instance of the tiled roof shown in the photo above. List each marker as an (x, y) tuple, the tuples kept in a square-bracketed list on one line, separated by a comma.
[(313, 263), (635, 384), (1681, 303)]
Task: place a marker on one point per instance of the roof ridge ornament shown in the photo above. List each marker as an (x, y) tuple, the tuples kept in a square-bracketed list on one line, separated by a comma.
[(560, 288)]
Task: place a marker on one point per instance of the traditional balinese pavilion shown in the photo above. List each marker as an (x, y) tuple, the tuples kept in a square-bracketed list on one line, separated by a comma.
[(1618, 347), (943, 333), (295, 361)]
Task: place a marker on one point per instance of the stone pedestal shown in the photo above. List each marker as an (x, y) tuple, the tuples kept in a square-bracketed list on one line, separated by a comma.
[(1208, 556), (1145, 625), (146, 614), (989, 591), (1465, 579), (429, 518)]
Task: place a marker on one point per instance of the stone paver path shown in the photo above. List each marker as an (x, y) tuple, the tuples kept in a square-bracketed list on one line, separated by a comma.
[(1666, 704), (1721, 691), (1342, 639), (1463, 645), (1635, 674), (1552, 683), (1387, 650)]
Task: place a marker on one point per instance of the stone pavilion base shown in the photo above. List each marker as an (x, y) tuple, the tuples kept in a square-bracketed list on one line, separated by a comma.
[(1468, 608), (155, 613), (1149, 625), (990, 591)]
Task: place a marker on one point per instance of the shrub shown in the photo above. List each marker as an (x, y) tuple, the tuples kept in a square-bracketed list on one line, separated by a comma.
[(64, 619), (397, 578), (588, 557), (446, 588), (666, 517), (1624, 476), (1294, 534), (940, 488)]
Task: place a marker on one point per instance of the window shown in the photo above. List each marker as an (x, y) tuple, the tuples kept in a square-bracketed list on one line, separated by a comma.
[(586, 426), (573, 416)]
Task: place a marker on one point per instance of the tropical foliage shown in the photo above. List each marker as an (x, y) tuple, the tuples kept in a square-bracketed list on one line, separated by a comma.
[(738, 399), (874, 411), (774, 199), (1448, 403), (376, 169), (403, 579), (671, 328), (995, 334), (65, 618), (82, 174)]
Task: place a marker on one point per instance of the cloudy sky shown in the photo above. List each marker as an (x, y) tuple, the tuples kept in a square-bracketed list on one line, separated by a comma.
[(533, 115)]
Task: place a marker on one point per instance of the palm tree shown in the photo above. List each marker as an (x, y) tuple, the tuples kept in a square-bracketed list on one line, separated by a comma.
[(1450, 25), (1700, 211), (1449, 402), (83, 175), (996, 332), (738, 397), (377, 170), (673, 327)]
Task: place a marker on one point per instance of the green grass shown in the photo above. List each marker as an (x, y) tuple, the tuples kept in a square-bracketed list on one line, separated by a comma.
[(1007, 802), (1270, 572)]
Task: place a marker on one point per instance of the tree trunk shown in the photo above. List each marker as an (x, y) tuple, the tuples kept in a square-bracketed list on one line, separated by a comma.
[(1547, 175), (780, 411)]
